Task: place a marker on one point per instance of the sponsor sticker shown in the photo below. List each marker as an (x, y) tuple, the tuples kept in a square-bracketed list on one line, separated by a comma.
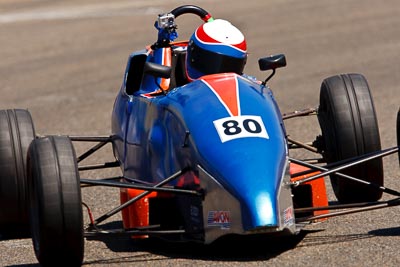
[(219, 218), (288, 217)]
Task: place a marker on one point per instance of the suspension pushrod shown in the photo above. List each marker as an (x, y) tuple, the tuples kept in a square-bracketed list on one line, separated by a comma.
[(91, 151), (375, 153), (390, 203), (99, 166), (146, 192), (336, 207), (341, 167), (334, 164), (104, 179), (111, 183), (305, 146), (91, 233), (90, 138), (324, 171), (299, 113)]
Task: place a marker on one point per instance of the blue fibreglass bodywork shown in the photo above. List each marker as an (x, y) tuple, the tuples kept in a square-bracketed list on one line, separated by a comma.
[(159, 135)]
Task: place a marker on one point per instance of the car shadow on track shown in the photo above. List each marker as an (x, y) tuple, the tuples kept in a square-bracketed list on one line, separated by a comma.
[(25, 265), (229, 248), (326, 238), (393, 231)]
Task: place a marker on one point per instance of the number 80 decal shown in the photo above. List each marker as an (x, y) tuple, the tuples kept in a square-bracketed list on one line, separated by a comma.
[(240, 127)]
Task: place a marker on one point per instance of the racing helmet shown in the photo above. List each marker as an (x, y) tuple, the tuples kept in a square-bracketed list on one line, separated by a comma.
[(215, 47)]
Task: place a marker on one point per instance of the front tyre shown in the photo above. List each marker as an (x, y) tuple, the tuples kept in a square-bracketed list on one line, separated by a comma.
[(16, 133), (349, 128), (55, 202)]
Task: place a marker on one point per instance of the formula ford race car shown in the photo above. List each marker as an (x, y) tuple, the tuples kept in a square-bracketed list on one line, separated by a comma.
[(199, 160)]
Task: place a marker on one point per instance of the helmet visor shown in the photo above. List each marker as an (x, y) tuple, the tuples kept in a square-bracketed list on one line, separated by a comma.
[(207, 62)]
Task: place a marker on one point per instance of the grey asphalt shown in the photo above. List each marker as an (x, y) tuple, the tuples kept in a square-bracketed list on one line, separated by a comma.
[(64, 61)]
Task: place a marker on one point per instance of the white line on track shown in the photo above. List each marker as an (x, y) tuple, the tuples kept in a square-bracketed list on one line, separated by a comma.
[(83, 11)]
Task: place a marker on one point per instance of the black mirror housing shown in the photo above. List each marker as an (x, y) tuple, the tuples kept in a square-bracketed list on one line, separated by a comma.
[(272, 62)]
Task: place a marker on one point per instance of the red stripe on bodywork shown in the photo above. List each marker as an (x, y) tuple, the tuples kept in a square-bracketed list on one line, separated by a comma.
[(225, 86)]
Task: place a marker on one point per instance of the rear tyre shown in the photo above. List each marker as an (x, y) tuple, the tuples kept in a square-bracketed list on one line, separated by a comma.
[(16, 133), (55, 202), (349, 128)]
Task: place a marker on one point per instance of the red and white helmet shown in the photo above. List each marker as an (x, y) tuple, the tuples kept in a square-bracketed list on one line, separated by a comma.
[(215, 47)]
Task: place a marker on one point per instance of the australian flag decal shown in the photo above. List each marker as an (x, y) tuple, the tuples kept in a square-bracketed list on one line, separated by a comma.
[(219, 218)]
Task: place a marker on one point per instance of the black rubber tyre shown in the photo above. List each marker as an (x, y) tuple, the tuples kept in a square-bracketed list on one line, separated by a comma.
[(16, 133), (349, 128), (55, 202)]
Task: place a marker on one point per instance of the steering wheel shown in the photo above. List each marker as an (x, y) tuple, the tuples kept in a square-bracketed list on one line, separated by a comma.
[(166, 23)]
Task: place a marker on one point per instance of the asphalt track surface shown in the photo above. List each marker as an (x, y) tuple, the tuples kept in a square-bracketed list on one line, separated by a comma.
[(64, 61)]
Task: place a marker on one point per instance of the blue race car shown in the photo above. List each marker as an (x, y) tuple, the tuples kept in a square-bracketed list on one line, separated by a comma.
[(203, 153)]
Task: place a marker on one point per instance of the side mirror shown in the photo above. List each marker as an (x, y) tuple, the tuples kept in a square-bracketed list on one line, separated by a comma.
[(157, 70), (272, 62)]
